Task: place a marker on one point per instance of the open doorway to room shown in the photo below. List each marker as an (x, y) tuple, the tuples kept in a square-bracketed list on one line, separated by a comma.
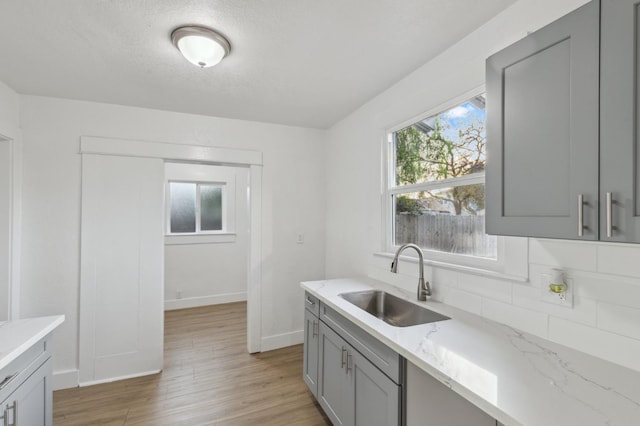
[(206, 235), (122, 294)]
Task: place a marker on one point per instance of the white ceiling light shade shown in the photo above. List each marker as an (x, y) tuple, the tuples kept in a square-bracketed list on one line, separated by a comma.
[(201, 46)]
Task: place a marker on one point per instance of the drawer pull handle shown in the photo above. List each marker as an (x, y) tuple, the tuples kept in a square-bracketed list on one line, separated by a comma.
[(6, 380), (310, 302), (349, 363)]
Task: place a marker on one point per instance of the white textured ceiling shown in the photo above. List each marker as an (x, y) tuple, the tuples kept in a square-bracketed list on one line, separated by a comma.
[(297, 62)]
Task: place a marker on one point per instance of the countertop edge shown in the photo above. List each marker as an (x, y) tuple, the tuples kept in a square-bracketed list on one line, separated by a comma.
[(458, 388), (43, 326)]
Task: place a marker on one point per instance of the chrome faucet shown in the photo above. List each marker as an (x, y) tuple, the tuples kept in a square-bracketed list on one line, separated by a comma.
[(424, 289)]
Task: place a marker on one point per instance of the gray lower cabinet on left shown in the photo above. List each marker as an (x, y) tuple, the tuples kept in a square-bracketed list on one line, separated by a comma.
[(26, 395), (356, 379), (311, 338)]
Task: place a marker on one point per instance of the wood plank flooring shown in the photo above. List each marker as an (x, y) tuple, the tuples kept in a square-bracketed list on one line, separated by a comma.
[(208, 379)]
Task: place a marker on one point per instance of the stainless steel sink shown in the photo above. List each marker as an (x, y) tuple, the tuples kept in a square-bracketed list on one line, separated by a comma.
[(391, 309)]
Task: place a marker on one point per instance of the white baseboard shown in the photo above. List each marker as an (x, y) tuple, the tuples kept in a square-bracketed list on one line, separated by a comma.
[(282, 340), (194, 302), (65, 379), (115, 379)]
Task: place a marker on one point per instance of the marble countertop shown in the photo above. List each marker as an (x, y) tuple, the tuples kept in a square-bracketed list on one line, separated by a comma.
[(517, 378), (19, 335)]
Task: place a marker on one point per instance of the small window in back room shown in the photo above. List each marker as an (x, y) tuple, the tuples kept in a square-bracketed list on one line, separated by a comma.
[(195, 207), (436, 182)]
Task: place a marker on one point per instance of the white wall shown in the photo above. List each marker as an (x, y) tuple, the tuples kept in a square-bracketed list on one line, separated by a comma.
[(605, 320), (293, 201), (208, 273)]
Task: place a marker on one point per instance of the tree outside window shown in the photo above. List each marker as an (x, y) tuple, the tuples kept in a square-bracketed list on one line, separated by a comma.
[(438, 182)]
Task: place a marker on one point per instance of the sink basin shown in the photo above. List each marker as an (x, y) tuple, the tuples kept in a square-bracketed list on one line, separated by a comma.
[(391, 309)]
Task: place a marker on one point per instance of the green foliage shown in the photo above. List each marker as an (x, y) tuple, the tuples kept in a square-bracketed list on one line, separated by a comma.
[(405, 204), (427, 156)]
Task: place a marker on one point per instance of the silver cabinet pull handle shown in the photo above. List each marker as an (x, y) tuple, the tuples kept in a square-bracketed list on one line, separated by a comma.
[(609, 214), (15, 413), (310, 302), (580, 215), (343, 360), (6, 380), (349, 363), (315, 328)]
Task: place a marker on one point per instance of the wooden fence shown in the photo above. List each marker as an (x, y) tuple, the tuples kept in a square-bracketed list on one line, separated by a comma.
[(453, 234)]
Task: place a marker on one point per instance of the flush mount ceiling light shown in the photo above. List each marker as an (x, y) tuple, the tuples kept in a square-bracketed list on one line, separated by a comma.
[(201, 46)]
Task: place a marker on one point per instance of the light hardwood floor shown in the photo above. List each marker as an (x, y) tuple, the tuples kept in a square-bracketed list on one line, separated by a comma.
[(208, 379)]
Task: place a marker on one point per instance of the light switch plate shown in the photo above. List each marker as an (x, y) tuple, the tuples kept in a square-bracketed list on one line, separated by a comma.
[(561, 299)]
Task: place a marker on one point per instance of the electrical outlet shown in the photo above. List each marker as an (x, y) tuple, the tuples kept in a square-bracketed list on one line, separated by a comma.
[(561, 299), (178, 294), (300, 238)]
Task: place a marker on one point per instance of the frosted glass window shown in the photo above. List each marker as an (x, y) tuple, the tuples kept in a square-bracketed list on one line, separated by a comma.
[(195, 207), (210, 208), (183, 207)]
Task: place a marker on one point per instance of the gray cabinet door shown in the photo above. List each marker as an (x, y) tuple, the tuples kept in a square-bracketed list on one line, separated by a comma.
[(32, 402), (542, 131), (619, 130), (310, 363), (377, 397), (335, 392)]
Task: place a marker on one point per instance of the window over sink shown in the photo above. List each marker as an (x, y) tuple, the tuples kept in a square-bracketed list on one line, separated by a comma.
[(435, 191)]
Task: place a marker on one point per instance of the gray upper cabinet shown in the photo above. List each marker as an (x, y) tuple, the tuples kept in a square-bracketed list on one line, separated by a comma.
[(542, 131), (619, 125)]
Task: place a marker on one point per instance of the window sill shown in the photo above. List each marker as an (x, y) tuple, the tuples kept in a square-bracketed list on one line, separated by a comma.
[(458, 267), (221, 238)]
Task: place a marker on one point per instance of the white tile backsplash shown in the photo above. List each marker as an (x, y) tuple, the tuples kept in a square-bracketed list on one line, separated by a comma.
[(619, 319), (531, 321), (564, 254), (486, 287), (619, 259), (604, 320), (464, 300), (603, 344)]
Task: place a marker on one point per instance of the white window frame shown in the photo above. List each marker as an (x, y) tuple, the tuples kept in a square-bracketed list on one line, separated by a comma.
[(200, 174), (198, 230), (463, 262)]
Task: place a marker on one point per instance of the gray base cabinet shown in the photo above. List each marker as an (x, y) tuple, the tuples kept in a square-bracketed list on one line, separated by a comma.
[(430, 403), (356, 379), (26, 394), (311, 339), (352, 391)]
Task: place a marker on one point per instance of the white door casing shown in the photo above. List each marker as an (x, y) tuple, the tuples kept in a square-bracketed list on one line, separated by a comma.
[(159, 152), (5, 227), (121, 277)]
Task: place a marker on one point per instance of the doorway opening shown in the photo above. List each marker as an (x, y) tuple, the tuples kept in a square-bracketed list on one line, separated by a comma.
[(206, 235), (105, 352)]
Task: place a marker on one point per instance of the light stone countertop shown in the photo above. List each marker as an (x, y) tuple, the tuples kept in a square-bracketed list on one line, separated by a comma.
[(517, 378), (19, 335)]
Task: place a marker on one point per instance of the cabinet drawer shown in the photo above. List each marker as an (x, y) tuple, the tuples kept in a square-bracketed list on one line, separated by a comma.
[(19, 369), (312, 304), (383, 357)]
